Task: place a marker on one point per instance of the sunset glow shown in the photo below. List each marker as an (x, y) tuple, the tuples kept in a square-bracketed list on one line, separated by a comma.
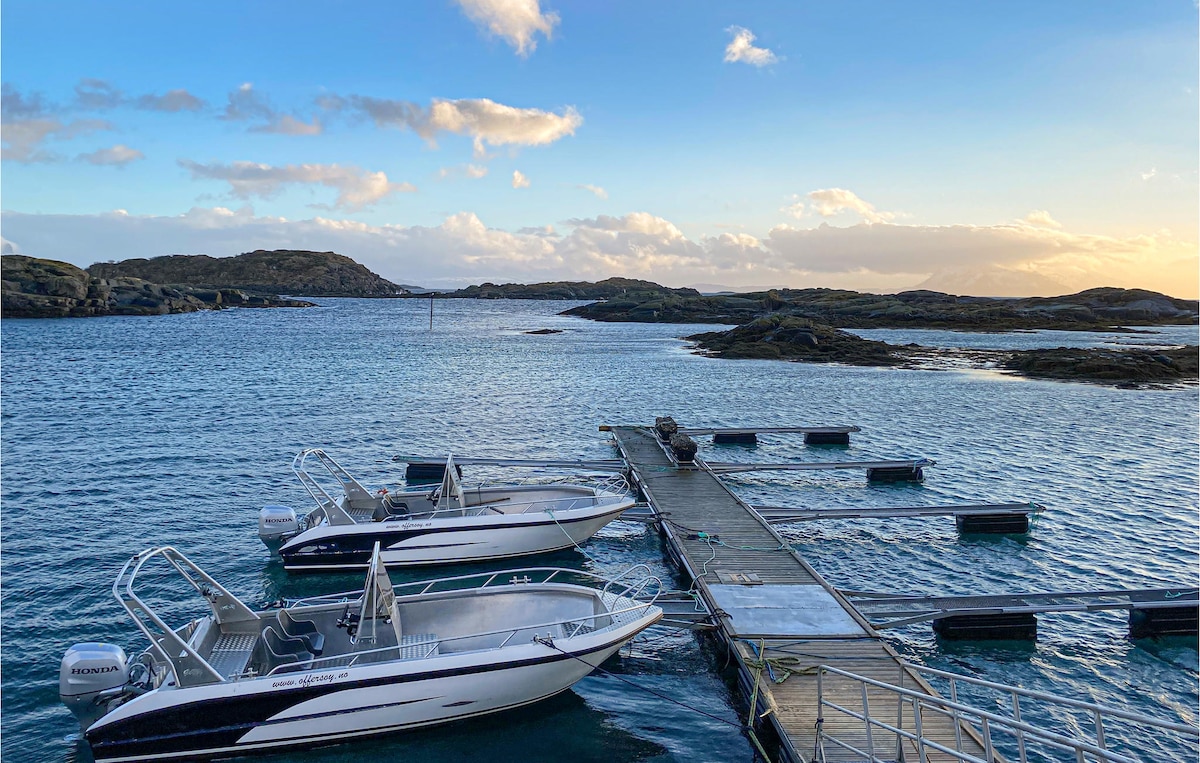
[(1016, 148)]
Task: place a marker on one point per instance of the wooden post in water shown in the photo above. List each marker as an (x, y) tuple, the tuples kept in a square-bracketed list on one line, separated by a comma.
[(431, 311)]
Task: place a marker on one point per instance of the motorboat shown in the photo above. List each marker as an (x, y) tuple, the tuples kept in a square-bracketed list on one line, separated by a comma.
[(331, 668), (446, 525)]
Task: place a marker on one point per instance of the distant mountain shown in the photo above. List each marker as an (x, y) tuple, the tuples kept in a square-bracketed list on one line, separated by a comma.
[(993, 282), (611, 288), (284, 271)]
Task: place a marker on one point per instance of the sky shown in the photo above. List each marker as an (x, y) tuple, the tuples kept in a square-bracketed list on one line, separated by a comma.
[(1008, 147)]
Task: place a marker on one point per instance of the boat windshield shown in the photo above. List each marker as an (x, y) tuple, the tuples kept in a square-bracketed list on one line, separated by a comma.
[(378, 600), (450, 493)]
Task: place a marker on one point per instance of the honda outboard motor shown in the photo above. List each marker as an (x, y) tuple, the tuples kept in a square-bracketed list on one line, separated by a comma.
[(91, 673), (276, 524)]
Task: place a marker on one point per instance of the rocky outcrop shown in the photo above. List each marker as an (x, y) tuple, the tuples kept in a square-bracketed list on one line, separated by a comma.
[(36, 288), (1088, 310), (1125, 367), (780, 337), (285, 271), (628, 289)]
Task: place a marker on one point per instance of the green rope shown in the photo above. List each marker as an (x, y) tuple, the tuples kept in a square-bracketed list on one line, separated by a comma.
[(750, 716)]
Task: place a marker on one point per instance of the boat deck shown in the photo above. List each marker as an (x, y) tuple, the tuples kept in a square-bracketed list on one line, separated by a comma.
[(768, 599)]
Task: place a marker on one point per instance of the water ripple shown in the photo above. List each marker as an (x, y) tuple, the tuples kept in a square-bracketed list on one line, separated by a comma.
[(121, 433)]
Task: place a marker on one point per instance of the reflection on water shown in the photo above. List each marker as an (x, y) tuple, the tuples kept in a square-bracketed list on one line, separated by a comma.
[(123, 433)]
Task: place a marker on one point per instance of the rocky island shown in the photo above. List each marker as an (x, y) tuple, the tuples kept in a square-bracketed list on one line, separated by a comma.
[(283, 271), (1091, 310), (624, 290), (785, 337), (807, 325), (36, 288)]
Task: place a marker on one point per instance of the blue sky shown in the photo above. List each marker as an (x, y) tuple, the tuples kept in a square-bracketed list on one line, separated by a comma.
[(1006, 146)]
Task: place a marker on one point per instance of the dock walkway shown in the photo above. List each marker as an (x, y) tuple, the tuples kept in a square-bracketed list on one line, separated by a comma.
[(767, 597)]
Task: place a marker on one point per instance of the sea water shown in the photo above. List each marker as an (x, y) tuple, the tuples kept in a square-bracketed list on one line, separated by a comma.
[(128, 432)]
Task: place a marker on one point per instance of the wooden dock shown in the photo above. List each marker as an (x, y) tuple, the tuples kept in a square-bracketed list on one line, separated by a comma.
[(771, 604)]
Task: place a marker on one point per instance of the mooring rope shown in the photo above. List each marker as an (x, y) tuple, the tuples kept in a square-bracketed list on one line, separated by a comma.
[(578, 547), (789, 665)]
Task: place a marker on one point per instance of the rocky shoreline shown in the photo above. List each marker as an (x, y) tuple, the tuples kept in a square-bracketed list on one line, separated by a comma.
[(806, 325), (1107, 309), (36, 288), (800, 340)]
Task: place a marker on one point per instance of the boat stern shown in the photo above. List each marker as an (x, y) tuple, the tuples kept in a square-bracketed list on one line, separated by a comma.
[(277, 525)]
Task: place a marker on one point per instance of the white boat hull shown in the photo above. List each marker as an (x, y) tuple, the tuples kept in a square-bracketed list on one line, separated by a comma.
[(342, 703), (450, 540)]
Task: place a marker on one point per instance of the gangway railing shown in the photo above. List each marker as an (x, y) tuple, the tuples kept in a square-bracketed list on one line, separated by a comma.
[(893, 722)]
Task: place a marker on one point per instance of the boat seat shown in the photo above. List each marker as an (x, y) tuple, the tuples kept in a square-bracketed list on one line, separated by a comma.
[(305, 630), (285, 651), (387, 510)]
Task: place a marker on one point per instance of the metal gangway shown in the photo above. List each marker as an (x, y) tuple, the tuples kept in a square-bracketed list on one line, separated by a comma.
[(902, 722)]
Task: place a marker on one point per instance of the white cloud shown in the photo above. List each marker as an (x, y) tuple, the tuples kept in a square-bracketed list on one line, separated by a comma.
[(599, 192), (1040, 218), (473, 171), (172, 101), (516, 21), (23, 138), (485, 121), (828, 202), (796, 208), (519, 180), (741, 49), (1153, 172), (119, 155), (285, 124), (97, 95), (356, 188), (14, 106), (1080, 260), (463, 249), (634, 222), (245, 103)]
